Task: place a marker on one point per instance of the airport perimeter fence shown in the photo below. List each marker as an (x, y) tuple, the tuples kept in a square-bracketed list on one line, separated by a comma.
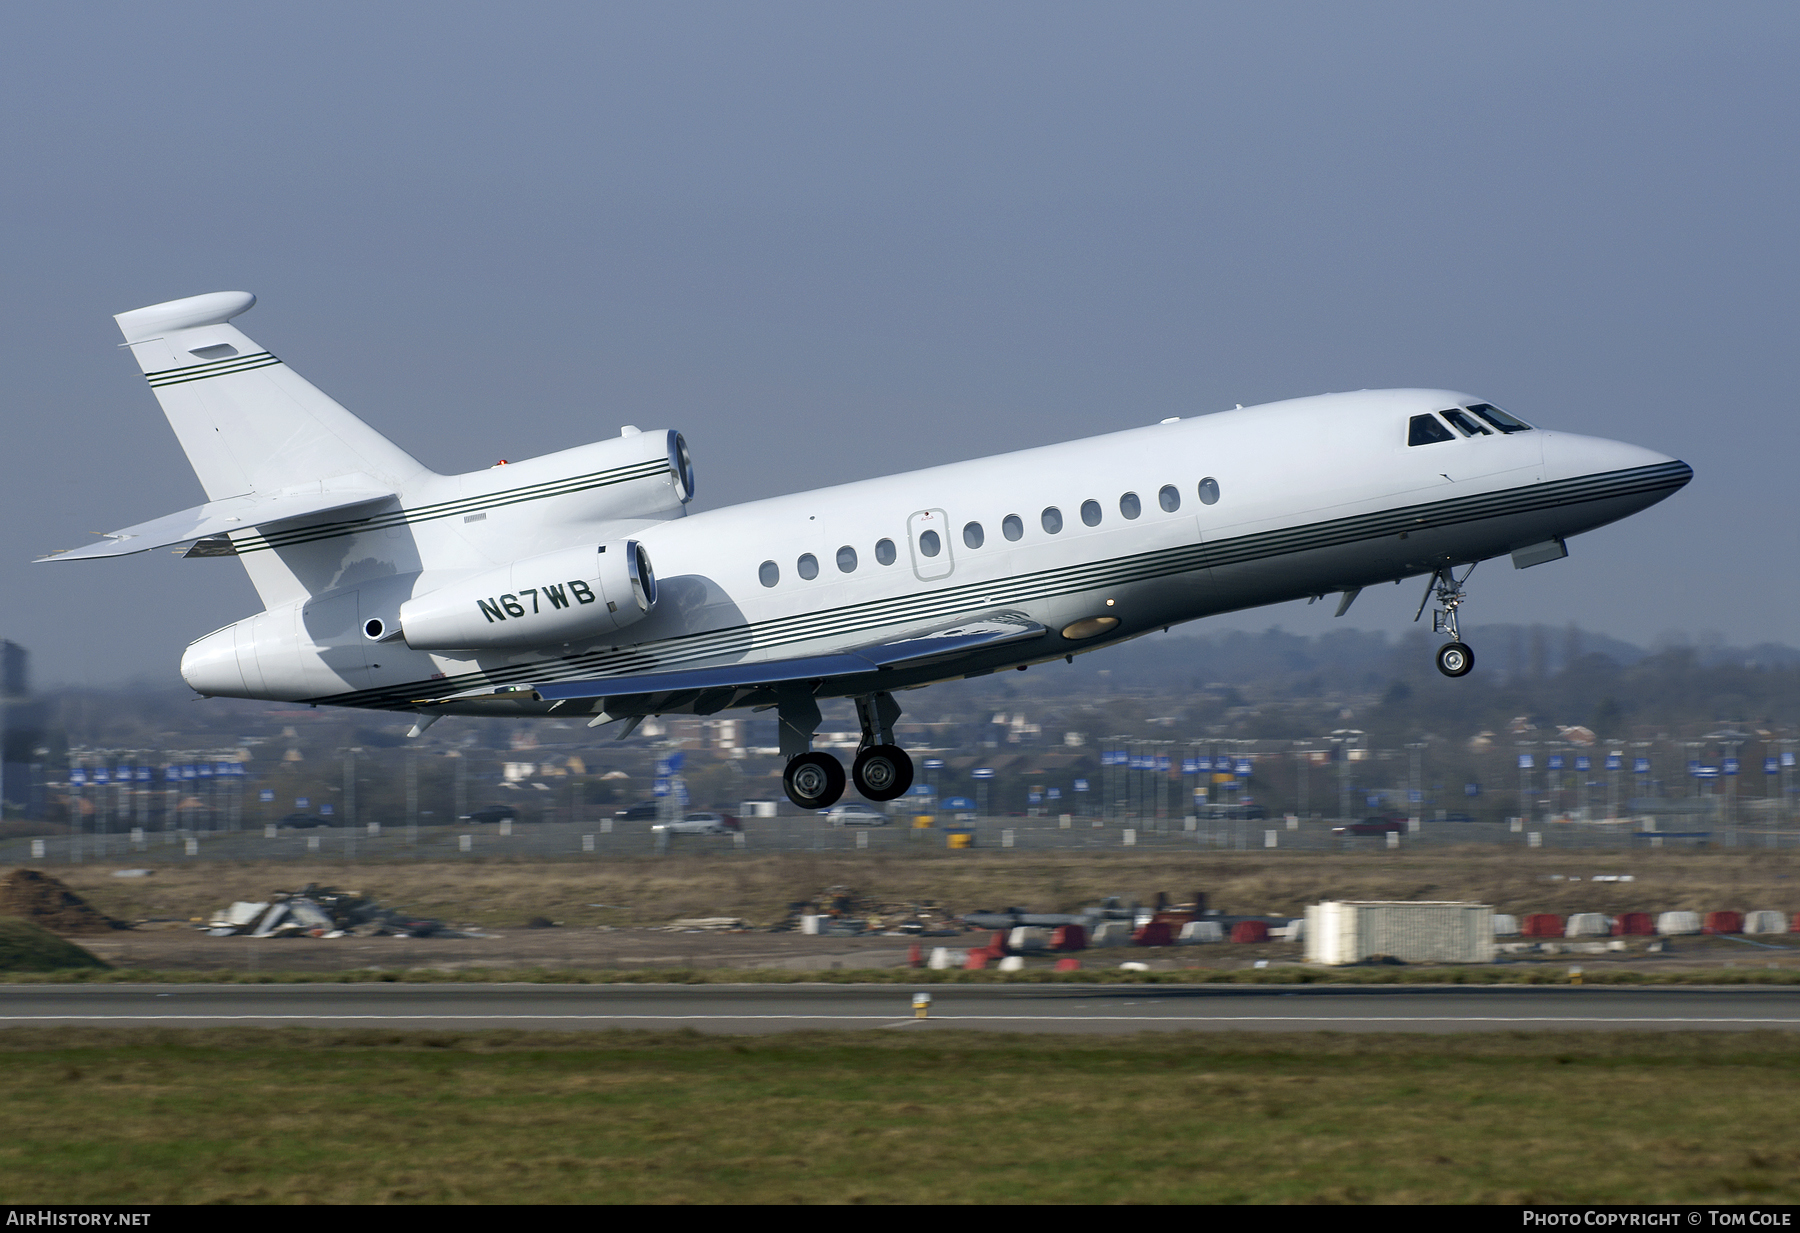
[(609, 838)]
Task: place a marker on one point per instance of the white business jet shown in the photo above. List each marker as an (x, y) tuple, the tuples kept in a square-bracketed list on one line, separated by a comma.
[(528, 589)]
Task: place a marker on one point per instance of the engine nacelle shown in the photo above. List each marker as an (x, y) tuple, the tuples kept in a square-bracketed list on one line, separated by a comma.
[(562, 596)]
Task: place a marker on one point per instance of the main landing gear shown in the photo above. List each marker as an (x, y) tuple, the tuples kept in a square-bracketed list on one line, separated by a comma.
[(1454, 658), (815, 780)]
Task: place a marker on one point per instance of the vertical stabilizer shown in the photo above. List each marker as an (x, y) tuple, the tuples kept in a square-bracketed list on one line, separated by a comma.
[(248, 422)]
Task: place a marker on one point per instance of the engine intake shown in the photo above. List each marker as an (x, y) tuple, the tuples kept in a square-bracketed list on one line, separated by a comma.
[(560, 596)]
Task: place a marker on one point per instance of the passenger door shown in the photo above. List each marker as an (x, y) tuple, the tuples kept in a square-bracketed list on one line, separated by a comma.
[(928, 537)]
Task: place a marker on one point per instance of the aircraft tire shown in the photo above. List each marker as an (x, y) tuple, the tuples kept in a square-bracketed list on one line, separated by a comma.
[(882, 772), (813, 780), (1455, 659)]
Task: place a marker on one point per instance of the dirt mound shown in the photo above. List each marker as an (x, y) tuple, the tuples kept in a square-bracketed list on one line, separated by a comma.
[(42, 900), (25, 947)]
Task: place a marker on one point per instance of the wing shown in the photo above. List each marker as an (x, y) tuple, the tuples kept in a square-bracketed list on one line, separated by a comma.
[(940, 644), (218, 518)]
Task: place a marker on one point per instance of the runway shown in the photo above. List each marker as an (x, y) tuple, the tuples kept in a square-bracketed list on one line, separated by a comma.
[(1012, 1008)]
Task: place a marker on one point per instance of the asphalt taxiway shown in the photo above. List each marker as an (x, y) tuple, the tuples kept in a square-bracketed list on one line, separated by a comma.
[(1013, 1008)]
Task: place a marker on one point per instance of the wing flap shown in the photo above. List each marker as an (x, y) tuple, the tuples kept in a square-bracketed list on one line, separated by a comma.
[(218, 518), (940, 644)]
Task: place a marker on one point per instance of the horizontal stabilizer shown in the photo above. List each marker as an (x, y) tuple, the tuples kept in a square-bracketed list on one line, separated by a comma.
[(220, 518), (943, 643)]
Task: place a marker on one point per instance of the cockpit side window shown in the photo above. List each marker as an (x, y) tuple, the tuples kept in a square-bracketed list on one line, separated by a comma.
[(1499, 419), (1427, 430), (1465, 423)]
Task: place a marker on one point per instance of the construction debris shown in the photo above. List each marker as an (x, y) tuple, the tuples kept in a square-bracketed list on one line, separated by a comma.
[(47, 903), (841, 911), (707, 924), (323, 912)]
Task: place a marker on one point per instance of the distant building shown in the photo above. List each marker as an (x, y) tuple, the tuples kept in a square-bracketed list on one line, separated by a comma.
[(21, 734)]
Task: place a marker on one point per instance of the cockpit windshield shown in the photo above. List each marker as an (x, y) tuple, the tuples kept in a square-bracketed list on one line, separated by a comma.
[(1466, 424), (1425, 430), (1498, 418)]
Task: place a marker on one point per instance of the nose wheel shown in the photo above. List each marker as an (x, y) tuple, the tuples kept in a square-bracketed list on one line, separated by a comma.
[(882, 772), (813, 780), (1454, 658)]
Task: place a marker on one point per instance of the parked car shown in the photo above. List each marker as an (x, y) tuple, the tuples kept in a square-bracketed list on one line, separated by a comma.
[(1228, 812), (1384, 825), (702, 824), (493, 813), (304, 819), (643, 811), (855, 815)]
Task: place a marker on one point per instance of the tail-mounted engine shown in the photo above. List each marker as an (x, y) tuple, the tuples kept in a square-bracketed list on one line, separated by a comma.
[(562, 596)]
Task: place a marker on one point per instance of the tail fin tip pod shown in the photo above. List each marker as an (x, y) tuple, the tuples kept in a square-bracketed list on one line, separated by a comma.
[(214, 308)]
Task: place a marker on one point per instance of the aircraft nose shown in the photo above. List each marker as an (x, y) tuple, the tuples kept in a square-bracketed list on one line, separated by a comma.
[(1567, 456)]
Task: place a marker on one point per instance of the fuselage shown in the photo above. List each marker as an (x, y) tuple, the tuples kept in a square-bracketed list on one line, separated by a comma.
[(1097, 540)]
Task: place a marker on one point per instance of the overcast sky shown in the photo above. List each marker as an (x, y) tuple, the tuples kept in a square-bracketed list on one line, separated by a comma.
[(833, 240)]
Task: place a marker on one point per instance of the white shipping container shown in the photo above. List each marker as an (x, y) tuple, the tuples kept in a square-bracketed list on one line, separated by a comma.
[(1587, 925), (1765, 922), (1505, 926), (1029, 938), (1432, 932), (1673, 924)]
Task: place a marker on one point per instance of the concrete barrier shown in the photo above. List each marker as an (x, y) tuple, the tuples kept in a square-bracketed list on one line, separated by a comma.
[(1765, 922), (1196, 932), (1587, 925), (1111, 933), (1675, 924)]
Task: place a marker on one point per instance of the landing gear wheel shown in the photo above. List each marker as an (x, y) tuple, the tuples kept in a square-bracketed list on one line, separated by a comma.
[(882, 772), (1455, 659), (813, 780)]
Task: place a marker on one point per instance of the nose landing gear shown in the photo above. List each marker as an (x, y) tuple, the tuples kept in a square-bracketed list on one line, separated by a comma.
[(1454, 658)]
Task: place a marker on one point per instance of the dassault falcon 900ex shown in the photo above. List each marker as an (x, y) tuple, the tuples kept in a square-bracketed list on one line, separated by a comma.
[(529, 589)]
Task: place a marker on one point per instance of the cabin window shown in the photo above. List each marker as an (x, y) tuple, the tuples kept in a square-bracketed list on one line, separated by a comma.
[(769, 573), (884, 551), (1169, 497), (808, 565), (846, 559), (1090, 513), (1465, 423), (1498, 418), (1013, 527), (930, 544), (973, 534), (1130, 506), (1051, 518), (1426, 430), (1209, 491)]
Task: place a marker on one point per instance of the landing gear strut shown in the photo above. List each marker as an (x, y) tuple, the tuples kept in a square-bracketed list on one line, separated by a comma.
[(882, 770), (813, 779), (1454, 658)]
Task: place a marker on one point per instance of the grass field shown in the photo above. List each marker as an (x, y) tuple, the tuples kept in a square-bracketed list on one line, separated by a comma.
[(502, 892), (243, 1115)]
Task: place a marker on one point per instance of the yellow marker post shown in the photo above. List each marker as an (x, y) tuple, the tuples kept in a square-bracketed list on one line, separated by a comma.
[(921, 1006)]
